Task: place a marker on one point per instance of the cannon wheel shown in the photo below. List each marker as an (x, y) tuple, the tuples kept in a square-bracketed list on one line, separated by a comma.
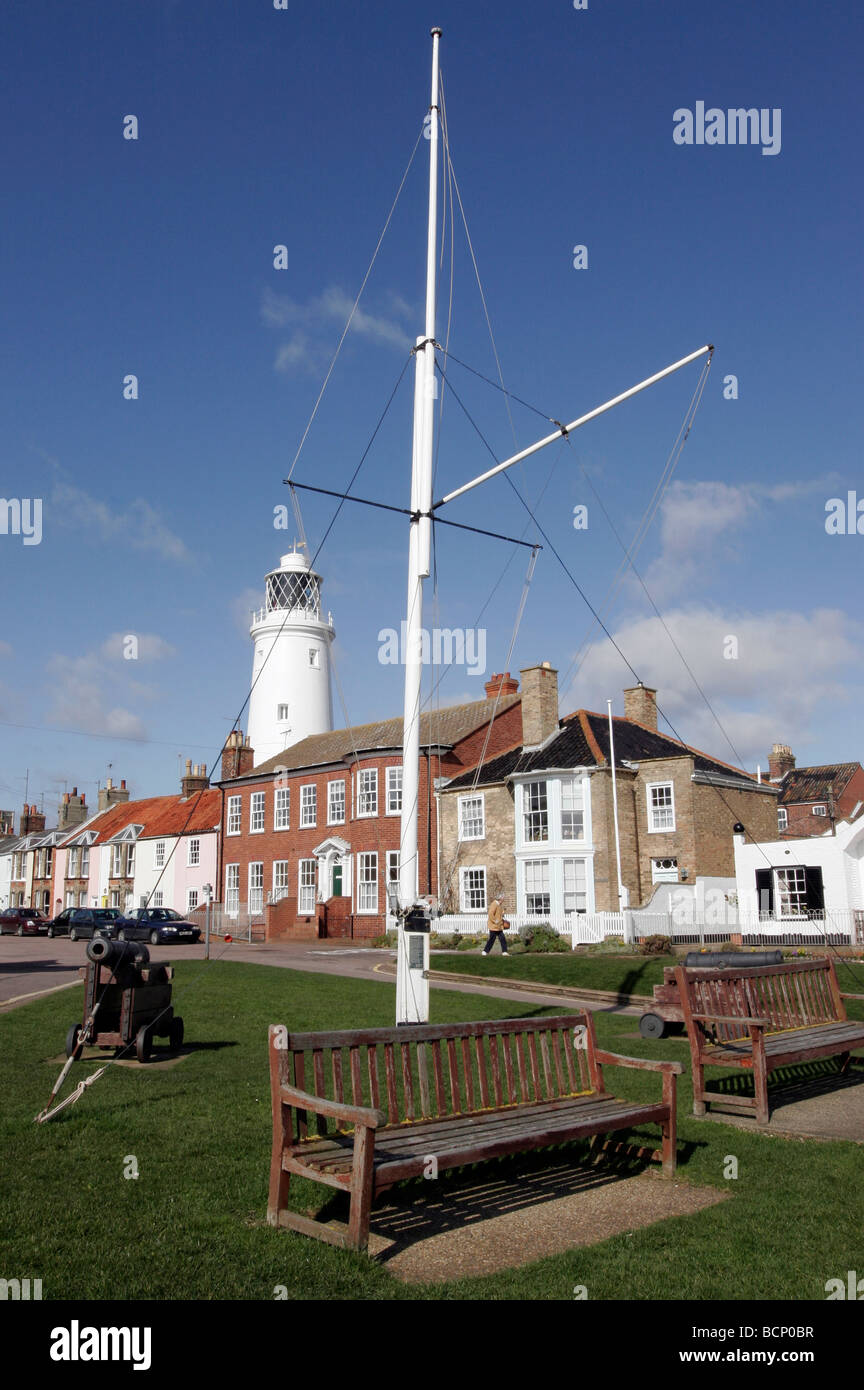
[(72, 1039), (144, 1044), (652, 1026), (175, 1034)]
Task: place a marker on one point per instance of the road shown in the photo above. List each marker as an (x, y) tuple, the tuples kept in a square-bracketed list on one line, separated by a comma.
[(32, 966)]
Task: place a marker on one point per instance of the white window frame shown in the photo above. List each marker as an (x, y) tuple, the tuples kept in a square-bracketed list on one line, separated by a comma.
[(257, 813), (332, 802), (784, 893), (159, 854), (130, 860), (116, 862), (394, 790), (306, 891), (468, 891), (232, 889), (308, 805), (256, 888), (546, 891), (576, 891), (367, 792), (820, 809), (191, 899), (85, 862), (653, 810), (782, 818), (539, 818), (573, 790), (281, 879), (659, 874), (282, 713), (156, 901), (466, 820), (282, 808), (72, 857), (193, 857), (364, 897), (234, 816)]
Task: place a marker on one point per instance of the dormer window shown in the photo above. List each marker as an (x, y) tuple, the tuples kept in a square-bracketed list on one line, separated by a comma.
[(820, 809)]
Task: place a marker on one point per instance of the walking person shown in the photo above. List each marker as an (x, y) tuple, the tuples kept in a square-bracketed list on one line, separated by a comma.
[(496, 923)]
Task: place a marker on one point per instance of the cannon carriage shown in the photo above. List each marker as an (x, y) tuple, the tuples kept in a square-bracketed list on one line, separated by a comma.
[(127, 1000)]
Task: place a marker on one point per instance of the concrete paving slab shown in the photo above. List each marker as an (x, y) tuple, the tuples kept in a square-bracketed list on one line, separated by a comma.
[(813, 1102), (491, 1223)]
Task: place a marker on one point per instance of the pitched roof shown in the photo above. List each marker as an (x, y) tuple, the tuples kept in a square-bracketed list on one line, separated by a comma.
[(814, 783), (437, 727), (159, 815), (583, 741)]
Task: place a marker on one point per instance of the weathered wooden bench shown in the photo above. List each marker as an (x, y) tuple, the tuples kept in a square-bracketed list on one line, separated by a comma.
[(761, 1018), (361, 1110)]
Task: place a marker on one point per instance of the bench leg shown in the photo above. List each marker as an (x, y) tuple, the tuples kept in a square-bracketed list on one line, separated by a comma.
[(361, 1188), (760, 1086), (699, 1106), (670, 1125), (845, 1061), (277, 1200)]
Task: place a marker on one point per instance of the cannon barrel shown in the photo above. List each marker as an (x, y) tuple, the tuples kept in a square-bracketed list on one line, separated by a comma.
[(725, 960), (115, 953)]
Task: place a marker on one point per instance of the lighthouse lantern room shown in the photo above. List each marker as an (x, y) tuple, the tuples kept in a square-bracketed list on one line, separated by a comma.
[(290, 696)]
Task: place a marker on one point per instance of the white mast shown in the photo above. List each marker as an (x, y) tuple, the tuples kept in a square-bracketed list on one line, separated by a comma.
[(412, 986)]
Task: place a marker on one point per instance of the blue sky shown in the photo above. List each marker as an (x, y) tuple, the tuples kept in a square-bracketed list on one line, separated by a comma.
[(260, 127)]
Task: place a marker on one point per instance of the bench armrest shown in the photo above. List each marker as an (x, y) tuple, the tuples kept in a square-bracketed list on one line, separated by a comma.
[(338, 1110), (614, 1059), (844, 995), (728, 1018)]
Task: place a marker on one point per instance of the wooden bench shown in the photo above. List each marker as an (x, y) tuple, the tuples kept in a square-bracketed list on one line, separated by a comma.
[(361, 1110), (761, 1018)]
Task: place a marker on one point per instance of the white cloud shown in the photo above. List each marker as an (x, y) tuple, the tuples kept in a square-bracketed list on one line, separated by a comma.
[(139, 527), (242, 607), (150, 647), (702, 521), (790, 667), (81, 698), (306, 349)]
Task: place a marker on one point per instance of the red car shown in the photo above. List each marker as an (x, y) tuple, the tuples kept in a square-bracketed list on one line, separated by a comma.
[(23, 921)]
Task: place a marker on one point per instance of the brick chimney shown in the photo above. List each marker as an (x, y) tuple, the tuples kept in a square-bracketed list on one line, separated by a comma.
[(539, 703), (73, 810), (780, 761), (640, 705), (31, 821), (237, 756), (109, 795), (7, 822), (505, 683), (195, 780)]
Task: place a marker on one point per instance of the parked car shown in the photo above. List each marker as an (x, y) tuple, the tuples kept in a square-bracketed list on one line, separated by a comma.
[(156, 925), (22, 921), (80, 923)]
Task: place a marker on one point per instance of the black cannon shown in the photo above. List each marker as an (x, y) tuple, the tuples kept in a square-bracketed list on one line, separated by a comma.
[(127, 1000)]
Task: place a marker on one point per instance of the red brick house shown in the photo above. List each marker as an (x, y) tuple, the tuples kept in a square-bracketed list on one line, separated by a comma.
[(813, 799), (311, 837)]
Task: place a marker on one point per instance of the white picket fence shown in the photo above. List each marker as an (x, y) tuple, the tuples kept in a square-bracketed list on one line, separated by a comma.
[(840, 928)]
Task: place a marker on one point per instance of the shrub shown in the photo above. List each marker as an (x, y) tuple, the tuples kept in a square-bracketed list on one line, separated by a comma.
[(542, 937), (389, 938), (468, 943), (655, 946)]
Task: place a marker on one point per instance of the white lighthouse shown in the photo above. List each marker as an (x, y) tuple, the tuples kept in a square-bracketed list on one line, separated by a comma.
[(290, 696)]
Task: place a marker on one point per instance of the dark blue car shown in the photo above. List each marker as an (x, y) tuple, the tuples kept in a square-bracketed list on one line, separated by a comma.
[(158, 925)]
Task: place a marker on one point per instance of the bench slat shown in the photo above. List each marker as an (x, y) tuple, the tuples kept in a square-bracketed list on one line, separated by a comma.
[(453, 1076), (390, 1077), (507, 1048), (556, 1057), (356, 1077), (480, 1059), (407, 1080), (318, 1072), (374, 1077), (535, 1069), (467, 1072), (437, 1069), (302, 1118), (496, 1070), (524, 1089), (423, 1078)]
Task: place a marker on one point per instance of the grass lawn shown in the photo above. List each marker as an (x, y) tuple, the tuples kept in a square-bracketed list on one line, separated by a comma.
[(625, 974), (192, 1226)]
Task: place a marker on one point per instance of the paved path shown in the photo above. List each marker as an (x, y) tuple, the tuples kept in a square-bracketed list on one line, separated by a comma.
[(30, 966)]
